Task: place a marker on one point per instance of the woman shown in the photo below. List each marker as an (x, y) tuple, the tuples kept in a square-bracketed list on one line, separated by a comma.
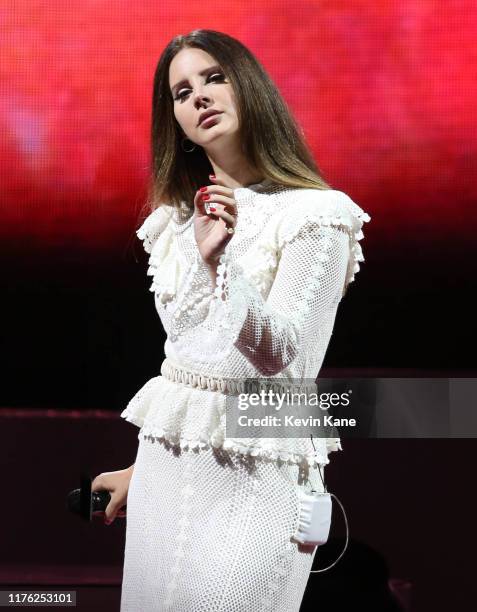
[(247, 281)]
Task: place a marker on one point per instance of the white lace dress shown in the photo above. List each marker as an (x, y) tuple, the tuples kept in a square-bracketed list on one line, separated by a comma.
[(210, 518)]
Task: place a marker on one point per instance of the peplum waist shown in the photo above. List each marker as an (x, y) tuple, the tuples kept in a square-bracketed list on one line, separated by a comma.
[(189, 410)]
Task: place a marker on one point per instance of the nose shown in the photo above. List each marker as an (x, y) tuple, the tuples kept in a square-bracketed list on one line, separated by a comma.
[(201, 100)]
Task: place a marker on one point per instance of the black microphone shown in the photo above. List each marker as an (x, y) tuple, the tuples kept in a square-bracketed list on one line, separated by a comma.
[(85, 502)]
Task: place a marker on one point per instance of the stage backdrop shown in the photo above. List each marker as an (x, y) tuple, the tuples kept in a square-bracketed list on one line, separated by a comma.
[(384, 92)]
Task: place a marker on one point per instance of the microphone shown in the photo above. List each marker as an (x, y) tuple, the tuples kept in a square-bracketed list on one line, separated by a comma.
[(85, 502)]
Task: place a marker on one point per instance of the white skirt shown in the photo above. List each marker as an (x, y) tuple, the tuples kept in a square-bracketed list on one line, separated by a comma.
[(208, 531)]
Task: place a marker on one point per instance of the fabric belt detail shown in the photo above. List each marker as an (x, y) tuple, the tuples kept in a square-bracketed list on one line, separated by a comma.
[(231, 386)]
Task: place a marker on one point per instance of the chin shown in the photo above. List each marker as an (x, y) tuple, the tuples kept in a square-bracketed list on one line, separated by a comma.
[(222, 134)]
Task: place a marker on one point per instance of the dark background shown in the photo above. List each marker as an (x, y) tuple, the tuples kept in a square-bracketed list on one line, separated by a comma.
[(81, 331), (83, 336)]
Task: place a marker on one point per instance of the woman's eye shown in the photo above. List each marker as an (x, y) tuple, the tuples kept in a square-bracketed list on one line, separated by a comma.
[(182, 94), (217, 74)]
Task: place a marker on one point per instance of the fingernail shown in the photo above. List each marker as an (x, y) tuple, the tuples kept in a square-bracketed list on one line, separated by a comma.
[(108, 521), (212, 175), (203, 188), (212, 208)]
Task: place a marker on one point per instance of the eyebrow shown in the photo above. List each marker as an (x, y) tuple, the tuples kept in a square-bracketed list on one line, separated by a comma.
[(202, 72)]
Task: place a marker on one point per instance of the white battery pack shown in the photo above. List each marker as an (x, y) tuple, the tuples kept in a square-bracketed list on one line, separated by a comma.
[(314, 518)]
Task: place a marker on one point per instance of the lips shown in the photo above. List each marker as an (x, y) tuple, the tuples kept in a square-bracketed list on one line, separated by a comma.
[(207, 114)]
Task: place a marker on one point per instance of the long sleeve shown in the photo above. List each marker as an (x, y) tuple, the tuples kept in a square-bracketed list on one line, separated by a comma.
[(310, 275), (318, 258)]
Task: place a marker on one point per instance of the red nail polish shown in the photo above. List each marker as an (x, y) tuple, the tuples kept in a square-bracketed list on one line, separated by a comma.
[(206, 197), (203, 188), (212, 209)]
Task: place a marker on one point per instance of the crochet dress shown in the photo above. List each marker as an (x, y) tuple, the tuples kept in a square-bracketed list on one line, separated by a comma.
[(211, 518)]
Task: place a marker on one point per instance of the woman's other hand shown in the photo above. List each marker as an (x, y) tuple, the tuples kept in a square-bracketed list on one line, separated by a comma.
[(210, 228), (117, 484)]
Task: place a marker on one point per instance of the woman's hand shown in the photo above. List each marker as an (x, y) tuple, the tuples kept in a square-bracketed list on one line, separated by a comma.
[(210, 229), (117, 483)]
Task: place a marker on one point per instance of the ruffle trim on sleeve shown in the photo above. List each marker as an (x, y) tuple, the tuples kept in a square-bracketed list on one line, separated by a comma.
[(176, 413), (153, 226), (337, 209), (250, 279), (164, 265), (259, 266)]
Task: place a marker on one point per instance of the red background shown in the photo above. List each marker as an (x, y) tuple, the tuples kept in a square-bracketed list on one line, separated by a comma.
[(384, 92)]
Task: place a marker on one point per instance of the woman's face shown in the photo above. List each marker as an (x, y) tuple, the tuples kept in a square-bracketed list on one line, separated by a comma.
[(197, 84)]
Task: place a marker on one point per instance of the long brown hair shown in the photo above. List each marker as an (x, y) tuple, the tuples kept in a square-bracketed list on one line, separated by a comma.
[(272, 140)]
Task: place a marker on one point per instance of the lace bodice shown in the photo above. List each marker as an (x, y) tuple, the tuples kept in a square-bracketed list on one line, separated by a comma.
[(279, 283)]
